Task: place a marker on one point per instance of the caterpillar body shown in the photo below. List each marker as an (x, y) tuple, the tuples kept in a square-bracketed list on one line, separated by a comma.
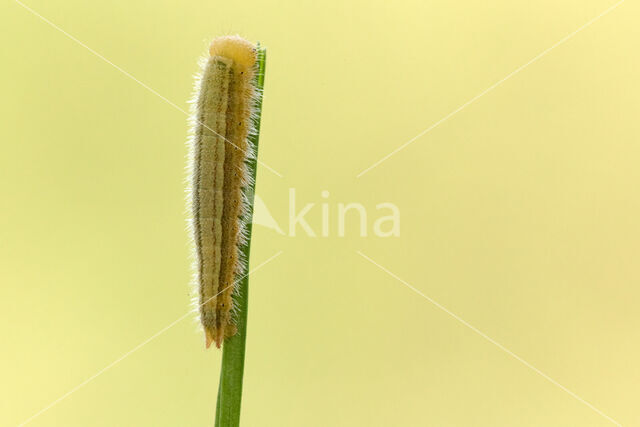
[(222, 108)]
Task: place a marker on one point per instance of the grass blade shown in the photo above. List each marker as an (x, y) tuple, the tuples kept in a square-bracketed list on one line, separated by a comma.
[(233, 350)]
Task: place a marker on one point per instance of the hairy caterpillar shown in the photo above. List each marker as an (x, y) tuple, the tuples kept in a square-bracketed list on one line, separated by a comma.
[(222, 108)]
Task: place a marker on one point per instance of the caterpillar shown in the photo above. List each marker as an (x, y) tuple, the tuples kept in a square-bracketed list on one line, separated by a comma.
[(222, 117)]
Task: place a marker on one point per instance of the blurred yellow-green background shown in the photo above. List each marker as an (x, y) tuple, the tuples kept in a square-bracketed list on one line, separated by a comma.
[(519, 214)]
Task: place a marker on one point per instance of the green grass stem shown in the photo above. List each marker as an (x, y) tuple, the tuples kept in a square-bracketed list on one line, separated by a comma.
[(233, 349)]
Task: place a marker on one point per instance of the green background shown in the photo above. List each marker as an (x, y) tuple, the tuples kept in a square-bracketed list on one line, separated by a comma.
[(519, 214)]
